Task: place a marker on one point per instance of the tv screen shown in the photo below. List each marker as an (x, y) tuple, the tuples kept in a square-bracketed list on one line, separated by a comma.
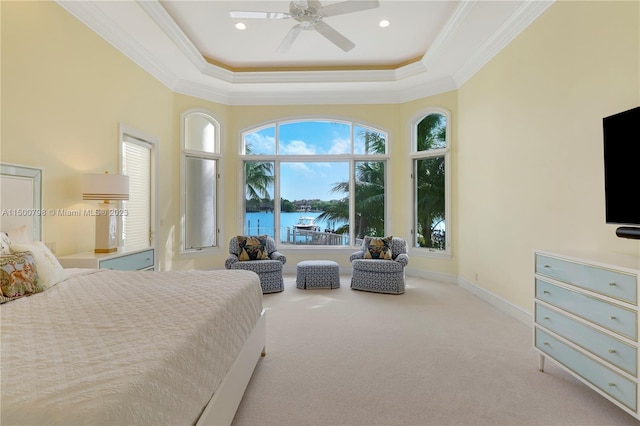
[(622, 167)]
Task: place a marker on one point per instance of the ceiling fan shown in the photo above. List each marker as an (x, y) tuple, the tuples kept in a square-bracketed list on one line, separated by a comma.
[(310, 14)]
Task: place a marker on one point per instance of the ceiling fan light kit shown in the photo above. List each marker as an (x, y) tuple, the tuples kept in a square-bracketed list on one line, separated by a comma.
[(310, 14)]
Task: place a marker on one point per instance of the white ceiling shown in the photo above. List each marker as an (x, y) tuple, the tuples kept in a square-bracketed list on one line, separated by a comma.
[(193, 48)]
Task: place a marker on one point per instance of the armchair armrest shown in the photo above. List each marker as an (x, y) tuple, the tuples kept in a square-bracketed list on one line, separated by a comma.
[(231, 259), (357, 255), (402, 258), (278, 256)]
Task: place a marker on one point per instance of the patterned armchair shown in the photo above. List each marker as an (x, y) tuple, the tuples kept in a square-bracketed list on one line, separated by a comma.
[(379, 265), (258, 254)]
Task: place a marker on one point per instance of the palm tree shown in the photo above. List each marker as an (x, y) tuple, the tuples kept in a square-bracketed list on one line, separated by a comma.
[(258, 179), (369, 193), (430, 175)]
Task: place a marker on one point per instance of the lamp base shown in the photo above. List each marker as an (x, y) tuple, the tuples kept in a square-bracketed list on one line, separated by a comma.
[(106, 230)]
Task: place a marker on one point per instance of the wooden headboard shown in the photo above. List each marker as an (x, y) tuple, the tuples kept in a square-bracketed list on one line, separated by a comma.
[(21, 198)]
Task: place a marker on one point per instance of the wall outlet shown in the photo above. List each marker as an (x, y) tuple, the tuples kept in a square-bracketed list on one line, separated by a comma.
[(51, 246)]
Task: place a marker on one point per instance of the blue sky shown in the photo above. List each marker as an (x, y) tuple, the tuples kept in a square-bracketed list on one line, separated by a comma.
[(307, 180)]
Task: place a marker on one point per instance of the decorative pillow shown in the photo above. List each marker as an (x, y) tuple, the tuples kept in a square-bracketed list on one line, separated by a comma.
[(20, 235), (253, 248), (377, 248), (5, 243), (18, 276), (49, 269)]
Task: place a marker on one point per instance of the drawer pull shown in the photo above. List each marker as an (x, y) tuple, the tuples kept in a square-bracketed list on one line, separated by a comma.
[(612, 317), (547, 318), (546, 344), (611, 384), (612, 284), (547, 266), (546, 292), (612, 351)]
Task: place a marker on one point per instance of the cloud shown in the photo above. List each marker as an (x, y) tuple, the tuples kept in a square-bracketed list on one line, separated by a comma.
[(340, 146), (261, 144), (296, 148), (299, 168)]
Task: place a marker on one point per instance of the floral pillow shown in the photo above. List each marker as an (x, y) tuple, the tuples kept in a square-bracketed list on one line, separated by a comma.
[(253, 248), (377, 248), (18, 276)]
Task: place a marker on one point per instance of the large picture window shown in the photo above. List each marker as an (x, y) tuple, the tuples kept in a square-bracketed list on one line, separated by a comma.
[(430, 175), (328, 177), (200, 160)]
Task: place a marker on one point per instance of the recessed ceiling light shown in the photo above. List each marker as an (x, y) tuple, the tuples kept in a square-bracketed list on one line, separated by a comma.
[(384, 23), (240, 26)]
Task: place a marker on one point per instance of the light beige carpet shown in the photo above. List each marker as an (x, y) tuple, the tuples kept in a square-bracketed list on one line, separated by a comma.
[(436, 355)]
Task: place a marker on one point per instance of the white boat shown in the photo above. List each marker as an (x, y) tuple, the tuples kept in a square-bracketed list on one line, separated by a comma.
[(306, 223)]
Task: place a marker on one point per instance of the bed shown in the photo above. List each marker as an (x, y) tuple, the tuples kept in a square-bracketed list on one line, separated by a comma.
[(123, 347)]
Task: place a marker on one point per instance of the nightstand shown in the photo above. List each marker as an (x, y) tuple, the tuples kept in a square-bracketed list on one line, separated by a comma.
[(123, 259)]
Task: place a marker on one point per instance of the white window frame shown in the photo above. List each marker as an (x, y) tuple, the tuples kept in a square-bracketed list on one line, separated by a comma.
[(217, 157), (153, 142), (417, 155), (278, 158)]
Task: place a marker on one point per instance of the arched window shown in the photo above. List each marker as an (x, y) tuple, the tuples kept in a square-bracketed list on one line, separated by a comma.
[(199, 181), (317, 182), (430, 175)]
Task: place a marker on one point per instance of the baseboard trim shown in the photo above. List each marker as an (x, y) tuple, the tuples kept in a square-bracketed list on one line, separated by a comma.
[(497, 302), (434, 276)]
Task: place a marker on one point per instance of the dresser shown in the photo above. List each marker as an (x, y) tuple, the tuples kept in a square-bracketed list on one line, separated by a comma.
[(123, 259), (586, 319)]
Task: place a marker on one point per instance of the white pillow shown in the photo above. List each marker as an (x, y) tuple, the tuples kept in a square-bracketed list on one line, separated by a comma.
[(49, 269), (20, 235)]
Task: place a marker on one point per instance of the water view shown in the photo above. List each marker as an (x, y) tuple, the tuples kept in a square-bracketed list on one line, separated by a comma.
[(320, 232)]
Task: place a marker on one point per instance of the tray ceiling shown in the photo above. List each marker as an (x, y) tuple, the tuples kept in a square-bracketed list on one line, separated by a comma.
[(194, 48)]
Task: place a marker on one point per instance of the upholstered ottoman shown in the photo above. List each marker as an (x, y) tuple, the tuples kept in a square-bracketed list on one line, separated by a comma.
[(317, 274)]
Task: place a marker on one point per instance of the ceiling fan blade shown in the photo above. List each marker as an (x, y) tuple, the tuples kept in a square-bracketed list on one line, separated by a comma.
[(288, 40), (347, 7), (245, 14), (334, 36)]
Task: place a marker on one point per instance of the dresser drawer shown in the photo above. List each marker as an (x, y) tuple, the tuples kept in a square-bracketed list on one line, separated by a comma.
[(600, 280), (130, 262), (607, 315), (608, 381), (604, 346)]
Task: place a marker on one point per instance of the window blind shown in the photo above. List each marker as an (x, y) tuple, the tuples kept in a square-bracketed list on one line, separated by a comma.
[(136, 163)]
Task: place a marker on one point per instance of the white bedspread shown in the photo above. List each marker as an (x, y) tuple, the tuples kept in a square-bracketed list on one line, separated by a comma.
[(114, 347)]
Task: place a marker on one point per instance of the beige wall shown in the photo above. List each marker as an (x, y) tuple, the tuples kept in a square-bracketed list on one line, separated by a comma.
[(530, 169), (78, 89), (65, 91), (526, 137)]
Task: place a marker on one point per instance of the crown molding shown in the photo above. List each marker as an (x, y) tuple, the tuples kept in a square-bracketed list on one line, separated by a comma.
[(439, 45), (160, 16), (93, 17), (509, 30), (320, 95)]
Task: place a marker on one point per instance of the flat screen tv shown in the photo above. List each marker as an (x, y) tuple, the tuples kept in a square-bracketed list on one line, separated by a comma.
[(622, 171)]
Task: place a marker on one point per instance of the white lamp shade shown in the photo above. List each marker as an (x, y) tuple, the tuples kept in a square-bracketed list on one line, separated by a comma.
[(103, 186)]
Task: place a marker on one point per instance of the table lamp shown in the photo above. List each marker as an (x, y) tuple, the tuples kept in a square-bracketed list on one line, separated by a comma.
[(106, 187)]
